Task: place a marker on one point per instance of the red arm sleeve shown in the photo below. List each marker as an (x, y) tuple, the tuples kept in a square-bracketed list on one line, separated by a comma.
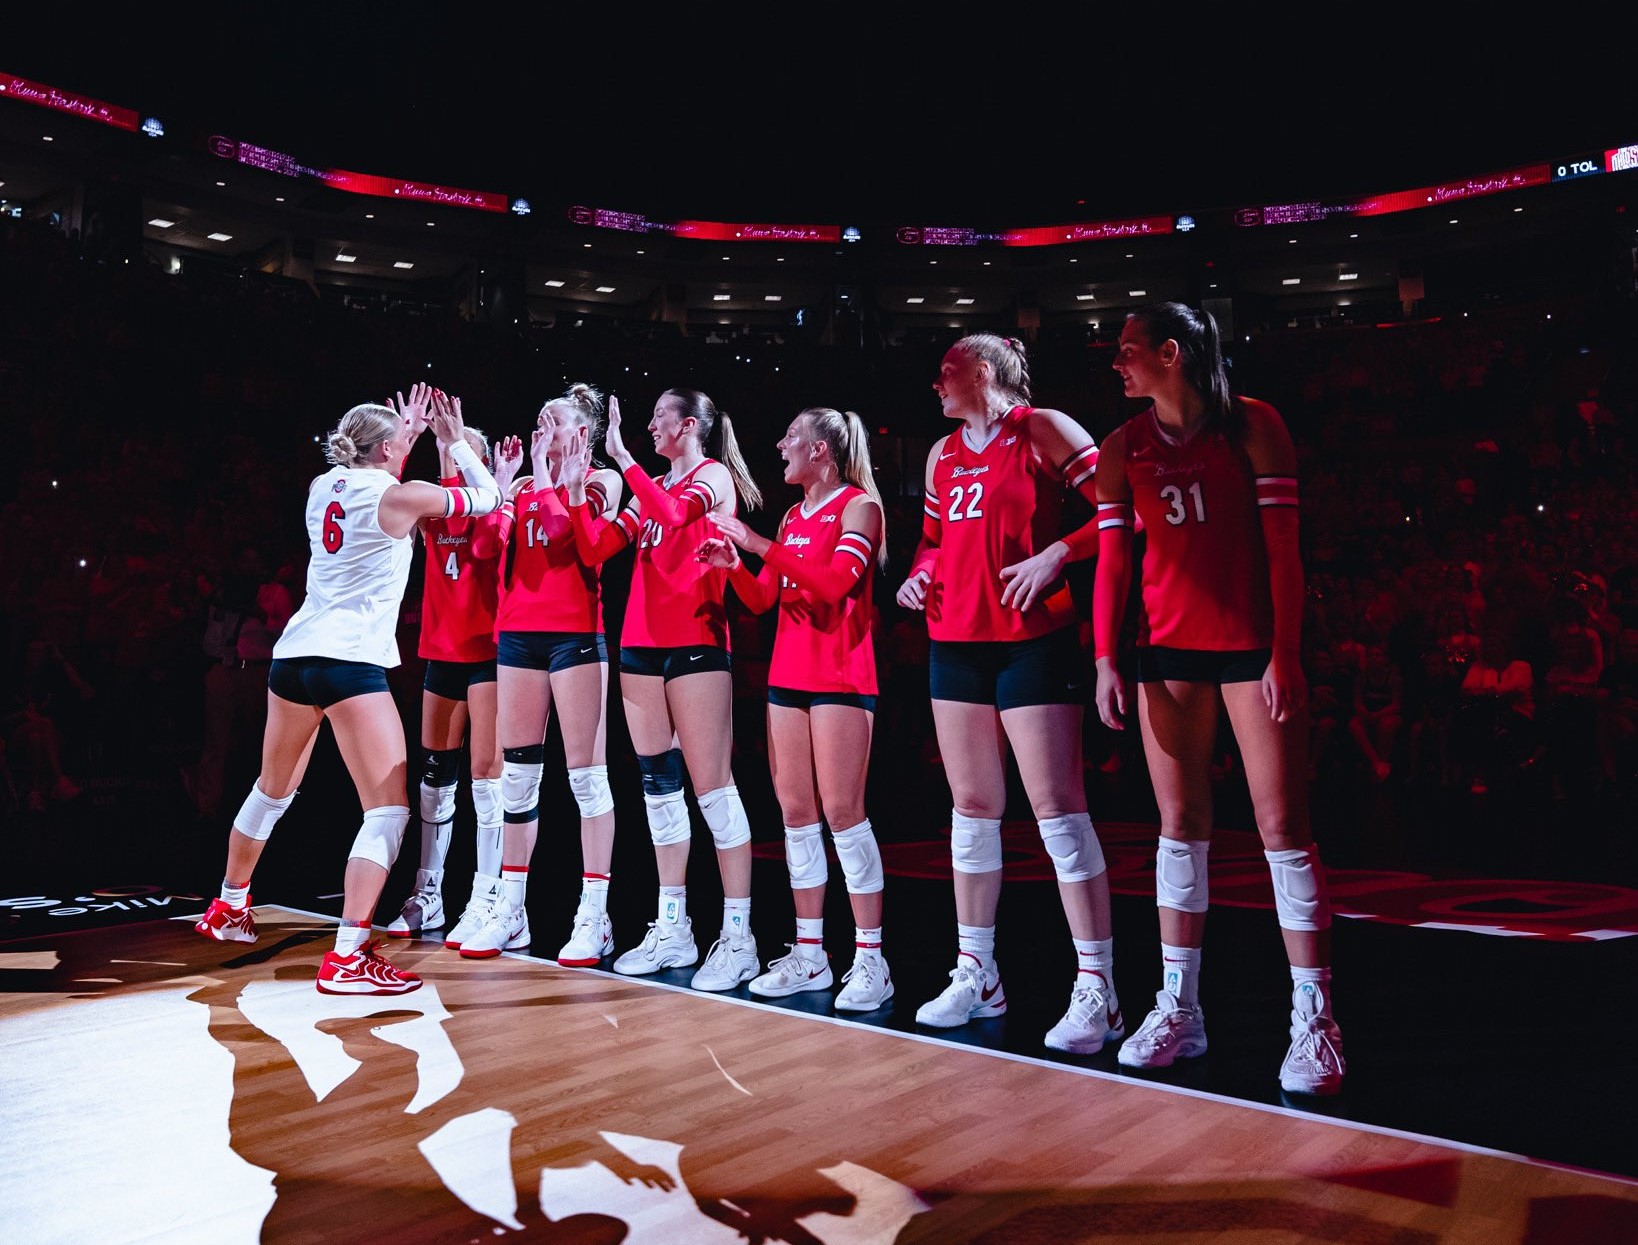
[(1113, 578), (665, 509), (932, 531), (1277, 508), (759, 592), (830, 582), (597, 539), (490, 533)]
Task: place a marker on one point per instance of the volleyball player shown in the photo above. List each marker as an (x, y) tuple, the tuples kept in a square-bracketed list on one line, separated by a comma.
[(1007, 667), (819, 569), (457, 642), (675, 680), (331, 663), (553, 655), (1212, 478)]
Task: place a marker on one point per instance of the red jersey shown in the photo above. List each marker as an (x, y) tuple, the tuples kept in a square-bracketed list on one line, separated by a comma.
[(821, 645), (547, 587), (675, 600), (460, 589), (1205, 566), (991, 508)]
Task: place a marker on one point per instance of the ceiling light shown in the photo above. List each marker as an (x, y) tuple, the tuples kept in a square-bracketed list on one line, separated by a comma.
[(915, 300), (402, 263), (343, 258), (554, 285), (1291, 281), (1347, 276), (605, 289), (720, 298), (773, 298), (964, 302), (1137, 293), (220, 237), (1084, 298), (159, 222)]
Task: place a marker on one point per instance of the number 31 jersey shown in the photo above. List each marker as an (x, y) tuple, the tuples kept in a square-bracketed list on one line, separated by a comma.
[(992, 507), (1205, 567), (356, 573)]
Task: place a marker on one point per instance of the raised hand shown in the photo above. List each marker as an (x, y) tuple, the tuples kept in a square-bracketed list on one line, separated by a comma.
[(613, 442), (540, 443), (415, 410), (576, 465), (447, 424), (507, 456)]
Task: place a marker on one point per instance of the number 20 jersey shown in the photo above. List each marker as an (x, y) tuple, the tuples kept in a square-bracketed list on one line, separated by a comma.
[(992, 507), (356, 573)]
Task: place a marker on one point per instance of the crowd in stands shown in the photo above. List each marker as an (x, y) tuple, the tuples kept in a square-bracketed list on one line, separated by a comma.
[(1467, 484)]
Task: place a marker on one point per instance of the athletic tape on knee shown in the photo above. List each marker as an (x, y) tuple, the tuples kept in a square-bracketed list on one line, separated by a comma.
[(1299, 889), (667, 818), (662, 772), (975, 843), (1180, 875), (590, 784), (259, 812), (724, 813), (860, 858), (381, 835), (520, 784), (805, 856), (1070, 840)]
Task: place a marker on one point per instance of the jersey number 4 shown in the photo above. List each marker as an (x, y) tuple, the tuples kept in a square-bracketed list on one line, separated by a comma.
[(1173, 496), (971, 494), (332, 534)]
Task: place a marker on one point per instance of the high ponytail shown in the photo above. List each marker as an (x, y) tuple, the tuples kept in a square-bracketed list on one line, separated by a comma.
[(849, 441)]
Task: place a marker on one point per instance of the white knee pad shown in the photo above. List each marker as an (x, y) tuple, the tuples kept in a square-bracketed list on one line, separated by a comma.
[(259, 812), (381, 835), (860, 858), (590, 784), (1299, 889), (724, 813), (1180, 875), (520, 790), (805, 856), (1070, 840), (437, 805), (486, 801), (975, 843), (667, 818)]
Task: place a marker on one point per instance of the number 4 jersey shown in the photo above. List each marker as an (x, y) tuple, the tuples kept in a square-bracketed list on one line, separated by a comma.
[(460, 586), (988, 509), (1205, 567), (356, 573)]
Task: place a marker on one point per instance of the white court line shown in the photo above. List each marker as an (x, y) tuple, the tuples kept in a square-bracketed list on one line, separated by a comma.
[(1038, 1062)]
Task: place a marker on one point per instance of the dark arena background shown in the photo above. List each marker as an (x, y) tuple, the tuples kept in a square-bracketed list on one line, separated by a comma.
[(214, 240)]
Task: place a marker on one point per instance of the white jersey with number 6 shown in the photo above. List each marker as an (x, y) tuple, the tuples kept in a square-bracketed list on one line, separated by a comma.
[(356, 573)]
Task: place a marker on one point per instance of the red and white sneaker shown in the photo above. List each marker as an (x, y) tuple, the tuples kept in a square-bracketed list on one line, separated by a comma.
[(226, 924), (792, 974), (363, 972)]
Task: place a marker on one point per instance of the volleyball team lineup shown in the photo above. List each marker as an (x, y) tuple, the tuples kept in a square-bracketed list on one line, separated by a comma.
[(516, 535)]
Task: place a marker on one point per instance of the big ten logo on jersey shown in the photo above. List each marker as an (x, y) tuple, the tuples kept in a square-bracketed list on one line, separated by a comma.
[(650, 535)]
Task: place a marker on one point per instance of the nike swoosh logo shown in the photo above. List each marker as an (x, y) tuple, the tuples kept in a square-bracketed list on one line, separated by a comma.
[(1115, 1019), (586, 650), (696, 657), (989, 992), (942, 457)]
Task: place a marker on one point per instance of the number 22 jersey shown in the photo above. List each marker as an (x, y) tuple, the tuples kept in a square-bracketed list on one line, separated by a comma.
[(990, 508)]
